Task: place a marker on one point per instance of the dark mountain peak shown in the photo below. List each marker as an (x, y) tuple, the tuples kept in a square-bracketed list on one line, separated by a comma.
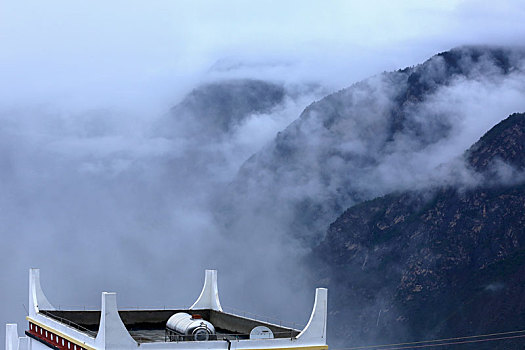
[(394, 94), (220, 106), (467, 61), (460, 59), (504, 142)]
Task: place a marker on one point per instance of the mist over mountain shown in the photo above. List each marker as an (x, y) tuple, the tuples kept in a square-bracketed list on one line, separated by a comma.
[(436, 262), (393, 131), (214, 109), (402, 135), (220, 124)]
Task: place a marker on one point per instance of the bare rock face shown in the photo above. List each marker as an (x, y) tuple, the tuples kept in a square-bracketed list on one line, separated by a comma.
[(443, 262), (504, 142)]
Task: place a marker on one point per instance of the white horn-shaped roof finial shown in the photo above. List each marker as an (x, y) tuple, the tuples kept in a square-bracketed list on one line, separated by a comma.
[(37, 298), (209, 298), (112, 333), (316, 327)]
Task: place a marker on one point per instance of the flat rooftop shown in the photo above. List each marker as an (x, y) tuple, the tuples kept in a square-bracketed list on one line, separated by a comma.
[(146, 326)]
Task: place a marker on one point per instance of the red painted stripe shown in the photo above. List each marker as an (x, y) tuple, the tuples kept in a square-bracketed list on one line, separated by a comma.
[(52, 338)]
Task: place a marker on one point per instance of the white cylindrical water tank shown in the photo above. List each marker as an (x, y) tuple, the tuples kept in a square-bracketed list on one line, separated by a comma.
[(190, 327)]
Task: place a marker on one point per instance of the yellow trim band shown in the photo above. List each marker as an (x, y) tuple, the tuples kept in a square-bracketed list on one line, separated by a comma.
[(313, 347), (56, 332)]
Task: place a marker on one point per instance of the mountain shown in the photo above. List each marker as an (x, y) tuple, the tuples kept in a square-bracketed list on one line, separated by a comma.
[(218, 125), (386, 133), (215, 109), (436, 262), (413, 254)]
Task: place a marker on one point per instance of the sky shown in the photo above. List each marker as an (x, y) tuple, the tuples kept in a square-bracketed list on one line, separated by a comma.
[(85, 53), (93, 198)]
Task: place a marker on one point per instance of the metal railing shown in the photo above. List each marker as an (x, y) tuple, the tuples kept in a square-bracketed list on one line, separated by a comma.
[(76, 308), (69, 323), (264, 319), (123, 308)]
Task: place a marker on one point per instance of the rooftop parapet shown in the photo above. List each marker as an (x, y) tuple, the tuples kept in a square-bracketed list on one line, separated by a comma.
[(111, 329)]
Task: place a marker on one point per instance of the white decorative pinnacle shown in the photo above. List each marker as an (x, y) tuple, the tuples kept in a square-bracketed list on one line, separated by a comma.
[(37, 298), (209, 298), (316, 327), (112, 333)]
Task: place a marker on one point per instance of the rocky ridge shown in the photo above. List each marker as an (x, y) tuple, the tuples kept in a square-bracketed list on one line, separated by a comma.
[(440, 262)]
